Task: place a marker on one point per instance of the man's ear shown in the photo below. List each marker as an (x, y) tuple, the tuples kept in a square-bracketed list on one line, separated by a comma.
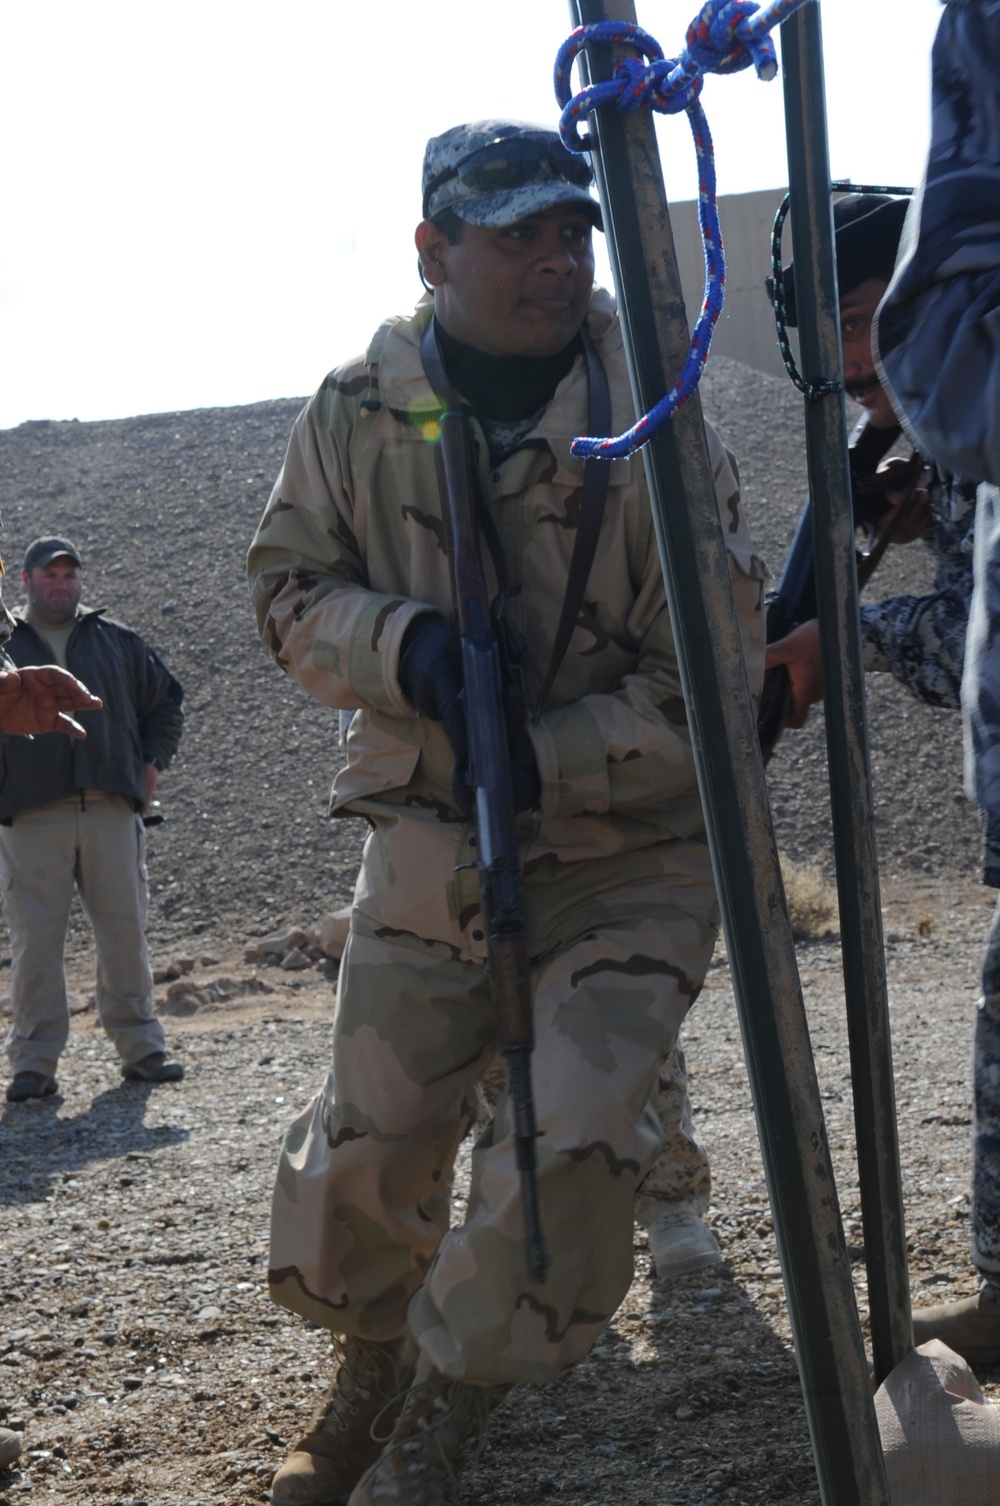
[(431, 246)]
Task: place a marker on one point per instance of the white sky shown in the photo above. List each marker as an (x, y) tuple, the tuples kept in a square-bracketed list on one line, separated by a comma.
[(210, 203)]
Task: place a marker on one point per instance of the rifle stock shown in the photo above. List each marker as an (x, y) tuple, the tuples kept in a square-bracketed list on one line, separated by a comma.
[(483, 669)]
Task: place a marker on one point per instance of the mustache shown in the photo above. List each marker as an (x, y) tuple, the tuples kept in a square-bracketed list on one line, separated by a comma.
[(862, 388)]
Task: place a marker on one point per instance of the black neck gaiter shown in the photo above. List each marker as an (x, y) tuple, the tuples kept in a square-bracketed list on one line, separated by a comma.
[(503, 387)]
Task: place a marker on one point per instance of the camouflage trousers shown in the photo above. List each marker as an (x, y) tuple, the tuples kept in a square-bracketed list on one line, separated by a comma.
[(986, 1117), (360, 1237), (681, 1175)]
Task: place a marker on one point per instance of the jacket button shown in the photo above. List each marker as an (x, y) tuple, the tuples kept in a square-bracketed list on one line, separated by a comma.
[(477, 935)]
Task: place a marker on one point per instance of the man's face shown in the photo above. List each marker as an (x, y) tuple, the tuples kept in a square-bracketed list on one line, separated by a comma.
[(53, 591), (857, 310), (519, 291)]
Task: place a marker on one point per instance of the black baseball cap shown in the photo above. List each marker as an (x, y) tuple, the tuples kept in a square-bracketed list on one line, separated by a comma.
[(42, 552), (867, 228)]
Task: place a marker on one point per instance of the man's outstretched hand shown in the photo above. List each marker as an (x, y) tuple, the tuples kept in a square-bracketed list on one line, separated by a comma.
[(41, 699)]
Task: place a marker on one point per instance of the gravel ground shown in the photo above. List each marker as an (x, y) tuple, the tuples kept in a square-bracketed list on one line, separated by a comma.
[(140, 1354), (144, 1362)]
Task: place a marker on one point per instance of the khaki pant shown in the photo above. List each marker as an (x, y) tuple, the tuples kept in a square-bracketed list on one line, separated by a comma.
[(360, 1237), (98, 848)]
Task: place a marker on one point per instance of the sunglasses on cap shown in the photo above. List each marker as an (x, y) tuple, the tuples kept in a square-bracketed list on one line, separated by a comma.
[(512, 163)]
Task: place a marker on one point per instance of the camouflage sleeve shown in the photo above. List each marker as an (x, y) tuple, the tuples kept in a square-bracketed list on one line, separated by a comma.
[(981, 684), (921, 641), (315, 610), (631, 750), (938, 330)]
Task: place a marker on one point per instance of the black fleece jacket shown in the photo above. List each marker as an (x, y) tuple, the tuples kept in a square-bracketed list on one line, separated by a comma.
[(141, 719)]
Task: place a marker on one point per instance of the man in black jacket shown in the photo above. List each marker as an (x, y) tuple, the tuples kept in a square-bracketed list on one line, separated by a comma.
[(70, 819)]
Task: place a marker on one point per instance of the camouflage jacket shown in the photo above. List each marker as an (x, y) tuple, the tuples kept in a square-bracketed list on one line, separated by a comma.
[(936, 332), (351, 548), (937, 346), (921, 639)]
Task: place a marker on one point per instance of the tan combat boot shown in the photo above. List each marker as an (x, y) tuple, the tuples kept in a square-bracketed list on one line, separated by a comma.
[(971, 1328), (442, 1423), (324, 1466)]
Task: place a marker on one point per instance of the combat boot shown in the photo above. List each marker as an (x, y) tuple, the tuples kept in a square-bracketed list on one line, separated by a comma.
[(442, 1424), (680, 1242), (324, 1466), (971, 1327)]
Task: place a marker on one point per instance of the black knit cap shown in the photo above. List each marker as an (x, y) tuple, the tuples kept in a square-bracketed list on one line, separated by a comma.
[(867, 228)]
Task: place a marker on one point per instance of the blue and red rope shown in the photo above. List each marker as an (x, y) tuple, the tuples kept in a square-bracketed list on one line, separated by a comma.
[(725, 37)]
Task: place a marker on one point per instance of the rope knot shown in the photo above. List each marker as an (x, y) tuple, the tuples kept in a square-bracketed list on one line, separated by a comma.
[(721, 39)]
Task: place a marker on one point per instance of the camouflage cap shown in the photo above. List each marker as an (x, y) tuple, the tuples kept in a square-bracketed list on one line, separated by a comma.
[(493, 172), (41, 552)]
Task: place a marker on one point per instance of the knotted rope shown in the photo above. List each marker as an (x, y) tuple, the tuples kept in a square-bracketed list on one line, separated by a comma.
[(725, 37)]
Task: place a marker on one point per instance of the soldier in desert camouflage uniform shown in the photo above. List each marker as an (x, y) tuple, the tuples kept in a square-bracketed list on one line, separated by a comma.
[(351, 584), (938, 350)]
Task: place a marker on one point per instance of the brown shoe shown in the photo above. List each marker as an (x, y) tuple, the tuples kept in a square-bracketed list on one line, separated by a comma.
[(325, 1465), (442, 1423), (25, 1085), (153, 1068), (971, 1328)]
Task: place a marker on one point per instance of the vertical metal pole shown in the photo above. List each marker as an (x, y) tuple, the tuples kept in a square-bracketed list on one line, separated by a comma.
[(789, 1114), (844, 693)]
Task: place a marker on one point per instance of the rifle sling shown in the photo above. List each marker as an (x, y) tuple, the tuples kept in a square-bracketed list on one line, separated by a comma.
[(592, 499)]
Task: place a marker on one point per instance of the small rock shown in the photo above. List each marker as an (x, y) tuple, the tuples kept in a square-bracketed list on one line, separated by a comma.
[(132, 1382), (684, 1414), (295, 960), (278, 943), (209, 1315), (10, 1447)]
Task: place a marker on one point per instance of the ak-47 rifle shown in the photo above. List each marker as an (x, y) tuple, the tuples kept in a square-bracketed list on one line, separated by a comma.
[(794, 600), (485, 672)]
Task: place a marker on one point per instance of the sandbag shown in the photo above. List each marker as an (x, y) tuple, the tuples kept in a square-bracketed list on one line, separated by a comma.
[(940, 1435)]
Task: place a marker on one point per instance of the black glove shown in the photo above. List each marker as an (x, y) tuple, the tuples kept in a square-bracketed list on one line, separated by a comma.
[(430, 676)]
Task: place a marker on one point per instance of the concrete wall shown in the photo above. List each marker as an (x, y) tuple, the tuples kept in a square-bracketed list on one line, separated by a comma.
[(745, 332)]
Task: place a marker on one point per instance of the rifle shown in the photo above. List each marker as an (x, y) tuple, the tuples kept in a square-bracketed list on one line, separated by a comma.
[(485, 671), (794, 600)]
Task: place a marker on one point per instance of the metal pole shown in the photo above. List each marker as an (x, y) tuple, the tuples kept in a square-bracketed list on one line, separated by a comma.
[(844, 694), (789, 1114)]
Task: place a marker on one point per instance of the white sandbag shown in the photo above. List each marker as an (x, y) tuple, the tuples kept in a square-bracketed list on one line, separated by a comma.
[(940, 1436)]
